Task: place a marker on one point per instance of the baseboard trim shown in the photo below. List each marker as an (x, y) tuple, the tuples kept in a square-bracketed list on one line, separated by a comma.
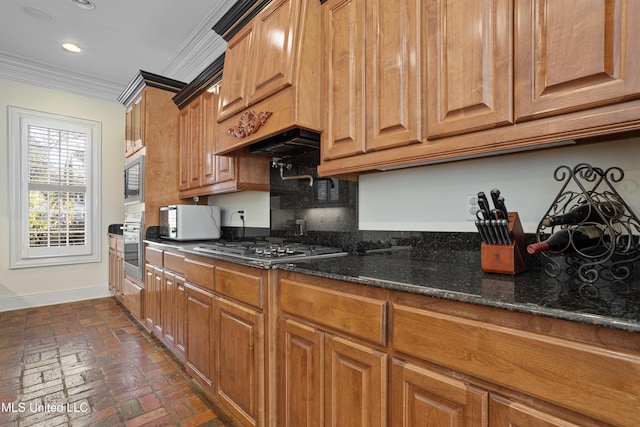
[(17, 302)]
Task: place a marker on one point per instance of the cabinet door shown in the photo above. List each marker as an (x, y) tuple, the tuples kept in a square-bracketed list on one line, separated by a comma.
[(575, 54), (112, 270), (157, 299), (421, 397), (239, 361), (128, 131), (185, 150), (394, 99), (168, 309), (206, 156), (272, 66), (132, 298), (356, 384), (505, 413), (198, 357), (233, 94), (468, 61), (150, 295), (195, 142), (300, 388), (138, 122), (344, 75), (225, 169), (180, 313)]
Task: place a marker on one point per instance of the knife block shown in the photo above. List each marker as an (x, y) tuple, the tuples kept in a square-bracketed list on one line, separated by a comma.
[(507, 259)]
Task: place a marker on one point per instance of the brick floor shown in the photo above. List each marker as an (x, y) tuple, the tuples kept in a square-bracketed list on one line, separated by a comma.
[(89, 364)]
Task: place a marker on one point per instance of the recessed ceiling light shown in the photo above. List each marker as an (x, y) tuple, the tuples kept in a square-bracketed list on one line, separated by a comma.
[(71, 47), (37, 13), (83, 4)]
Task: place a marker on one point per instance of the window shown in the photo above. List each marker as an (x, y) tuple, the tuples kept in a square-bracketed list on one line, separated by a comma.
[(54, 175)]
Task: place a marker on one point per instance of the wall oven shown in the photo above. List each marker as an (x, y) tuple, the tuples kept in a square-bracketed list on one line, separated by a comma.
[(134, 181), (132, 230)]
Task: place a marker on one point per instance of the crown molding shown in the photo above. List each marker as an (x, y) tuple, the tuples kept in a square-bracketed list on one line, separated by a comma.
[(197, 52), (14, 67)]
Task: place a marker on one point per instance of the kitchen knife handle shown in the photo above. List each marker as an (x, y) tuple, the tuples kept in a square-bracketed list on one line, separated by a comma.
[(483, 204), (501, 206)]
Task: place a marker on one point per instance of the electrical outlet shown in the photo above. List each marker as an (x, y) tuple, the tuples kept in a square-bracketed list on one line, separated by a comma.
[(243, 215), (472, 207)]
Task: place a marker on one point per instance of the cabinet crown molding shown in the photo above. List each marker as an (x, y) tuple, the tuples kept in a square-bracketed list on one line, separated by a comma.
[(146, 79)]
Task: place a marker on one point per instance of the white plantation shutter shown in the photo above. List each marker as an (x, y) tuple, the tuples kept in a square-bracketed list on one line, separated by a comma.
[(55, 204), (57, 187)]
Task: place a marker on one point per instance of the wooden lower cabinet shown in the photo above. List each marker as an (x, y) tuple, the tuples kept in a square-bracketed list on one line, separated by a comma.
[(199, 338), (287, 349), (153, 299), (327, 377), (442, 363), (116, 265), (301, 375), (423, 397), (355, 384), (239, 361), (132, 293), (505, 413), (348, 389)]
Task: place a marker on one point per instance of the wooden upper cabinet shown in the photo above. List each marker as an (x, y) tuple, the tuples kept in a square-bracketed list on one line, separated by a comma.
[(393, 117), (195, 142), (233, 94), (185, 150), (372, 76), (207, 164), (575, 54), (202, 172), (134, 125), (468, 61), (344, 53), (272, 66), (259, 58), (191, 145)]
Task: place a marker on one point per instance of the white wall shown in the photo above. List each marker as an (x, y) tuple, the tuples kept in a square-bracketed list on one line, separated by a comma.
[(45, 285), (434, 197), (256, 204)]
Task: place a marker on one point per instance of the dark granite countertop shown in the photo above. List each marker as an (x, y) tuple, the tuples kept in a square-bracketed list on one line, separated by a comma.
[(457, 275), (610, 304)]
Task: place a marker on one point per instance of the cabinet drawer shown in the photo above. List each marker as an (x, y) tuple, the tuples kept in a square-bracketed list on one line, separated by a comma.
[(242, 286), (355, 315), (199, 272), (153, 256), (552, 369), (174, 262)]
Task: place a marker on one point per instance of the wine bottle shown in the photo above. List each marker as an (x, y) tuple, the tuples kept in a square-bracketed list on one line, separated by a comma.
[(569, 239), (585, 212)]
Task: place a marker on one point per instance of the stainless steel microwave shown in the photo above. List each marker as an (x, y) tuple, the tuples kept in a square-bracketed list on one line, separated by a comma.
[(134, 181)]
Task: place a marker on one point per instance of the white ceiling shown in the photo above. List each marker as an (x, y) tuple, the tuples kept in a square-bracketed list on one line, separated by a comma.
[(118, 38)]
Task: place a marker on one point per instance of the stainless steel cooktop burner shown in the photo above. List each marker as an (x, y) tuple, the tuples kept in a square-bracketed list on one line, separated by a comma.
[(270, 253)]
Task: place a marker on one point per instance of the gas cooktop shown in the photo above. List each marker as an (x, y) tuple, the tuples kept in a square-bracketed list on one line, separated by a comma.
[(270, 253)]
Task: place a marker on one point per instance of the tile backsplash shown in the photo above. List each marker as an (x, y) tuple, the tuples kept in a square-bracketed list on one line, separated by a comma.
[(299, 207)]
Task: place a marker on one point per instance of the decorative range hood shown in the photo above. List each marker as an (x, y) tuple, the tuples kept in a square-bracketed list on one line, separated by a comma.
[(270, 85)]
